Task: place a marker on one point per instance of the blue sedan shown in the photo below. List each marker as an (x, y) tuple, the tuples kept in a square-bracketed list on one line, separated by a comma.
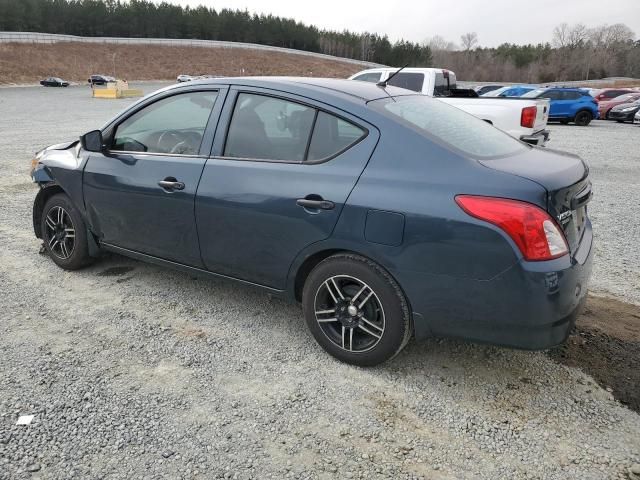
[(386, 214)]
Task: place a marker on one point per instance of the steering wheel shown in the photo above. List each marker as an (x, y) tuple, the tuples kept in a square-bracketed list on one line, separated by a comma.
[(173, 136)]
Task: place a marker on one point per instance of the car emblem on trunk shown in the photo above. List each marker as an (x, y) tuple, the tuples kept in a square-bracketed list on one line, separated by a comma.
[(565, 216)]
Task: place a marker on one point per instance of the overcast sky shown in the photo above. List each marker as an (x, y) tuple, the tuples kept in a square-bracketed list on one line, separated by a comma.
[(511, 21)]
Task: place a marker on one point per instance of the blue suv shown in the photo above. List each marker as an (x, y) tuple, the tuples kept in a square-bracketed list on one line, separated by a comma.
[(568, 104)]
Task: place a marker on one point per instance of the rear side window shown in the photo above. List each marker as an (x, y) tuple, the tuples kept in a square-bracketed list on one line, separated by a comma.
[(332, 135), (409, 80), (450, 125), (269, 128), (373, 77)]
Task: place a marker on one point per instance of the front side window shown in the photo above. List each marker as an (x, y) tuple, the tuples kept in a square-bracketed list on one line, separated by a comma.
[(460, 130), (174, 125), (269, 128), (332, 135), (408, 80)]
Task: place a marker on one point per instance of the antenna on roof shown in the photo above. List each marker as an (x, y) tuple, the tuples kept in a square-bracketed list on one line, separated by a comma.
[(383, 83)]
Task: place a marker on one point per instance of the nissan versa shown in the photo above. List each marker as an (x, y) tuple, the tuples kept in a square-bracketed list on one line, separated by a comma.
[(385, 213)]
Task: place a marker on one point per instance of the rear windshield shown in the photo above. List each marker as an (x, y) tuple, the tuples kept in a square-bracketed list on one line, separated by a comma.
[(450, 125)]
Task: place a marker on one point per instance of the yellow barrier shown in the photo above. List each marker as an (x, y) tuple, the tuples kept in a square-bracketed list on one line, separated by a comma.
[(118, 89)]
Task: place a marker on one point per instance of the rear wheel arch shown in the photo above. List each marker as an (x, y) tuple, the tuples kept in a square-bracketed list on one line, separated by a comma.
[(46, 192), (308, 265), (316, 258)]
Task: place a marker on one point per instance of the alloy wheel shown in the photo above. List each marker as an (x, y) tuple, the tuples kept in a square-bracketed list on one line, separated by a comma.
[(60, 233), (349, 313)]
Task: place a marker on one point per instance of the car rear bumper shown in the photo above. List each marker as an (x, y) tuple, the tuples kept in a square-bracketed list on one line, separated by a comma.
[(537, 138), (531, 305)]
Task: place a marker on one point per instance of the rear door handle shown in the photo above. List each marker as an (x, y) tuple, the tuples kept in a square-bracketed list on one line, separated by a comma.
[(171, 183), (315, 204)]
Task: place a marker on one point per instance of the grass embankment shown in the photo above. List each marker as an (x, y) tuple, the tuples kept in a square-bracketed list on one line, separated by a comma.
[(29, 63)]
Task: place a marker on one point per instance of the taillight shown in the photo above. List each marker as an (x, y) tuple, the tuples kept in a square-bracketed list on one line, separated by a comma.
[(528, 117), (532, 229)]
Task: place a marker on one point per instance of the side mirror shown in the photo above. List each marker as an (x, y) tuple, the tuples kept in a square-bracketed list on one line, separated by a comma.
[(92, 141)]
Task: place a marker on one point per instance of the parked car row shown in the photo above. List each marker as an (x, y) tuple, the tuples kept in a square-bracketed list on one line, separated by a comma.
[(578, 105)]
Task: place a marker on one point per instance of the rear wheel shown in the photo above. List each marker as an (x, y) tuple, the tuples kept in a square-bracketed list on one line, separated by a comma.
[(355, 310), (583, 118), (64, 233)]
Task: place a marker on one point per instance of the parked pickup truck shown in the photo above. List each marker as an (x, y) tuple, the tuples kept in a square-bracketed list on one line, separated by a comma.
[(525, 119)]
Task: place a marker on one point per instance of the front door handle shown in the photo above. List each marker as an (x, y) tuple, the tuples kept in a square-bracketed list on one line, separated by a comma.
[(171, 184), (315, 204)]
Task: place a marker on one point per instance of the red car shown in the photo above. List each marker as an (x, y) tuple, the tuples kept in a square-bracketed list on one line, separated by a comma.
[(609, 93), (605, 106)]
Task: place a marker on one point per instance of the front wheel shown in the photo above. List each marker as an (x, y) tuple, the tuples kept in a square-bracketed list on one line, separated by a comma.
[(583, 118), (64, 233), (355, 310)]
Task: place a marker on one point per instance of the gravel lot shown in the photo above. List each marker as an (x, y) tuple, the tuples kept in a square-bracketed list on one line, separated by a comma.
[(133, 371)]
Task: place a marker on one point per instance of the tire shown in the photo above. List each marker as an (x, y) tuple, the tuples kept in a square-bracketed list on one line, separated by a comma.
[(64, 233), (583, 118), (564, 121), (367, 332)]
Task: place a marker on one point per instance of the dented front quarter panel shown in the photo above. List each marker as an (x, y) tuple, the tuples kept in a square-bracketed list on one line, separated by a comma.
[(59, 166)]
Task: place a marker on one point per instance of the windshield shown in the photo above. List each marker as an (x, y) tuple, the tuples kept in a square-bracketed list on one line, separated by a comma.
[(496, 92), (449, 125), (534, 93), (629, 97)]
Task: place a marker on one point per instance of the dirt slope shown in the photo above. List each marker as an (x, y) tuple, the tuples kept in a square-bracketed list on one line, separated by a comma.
[(27, 63), (606, 345)]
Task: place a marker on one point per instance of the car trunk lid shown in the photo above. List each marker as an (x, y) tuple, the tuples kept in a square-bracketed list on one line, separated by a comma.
[(564, 176)]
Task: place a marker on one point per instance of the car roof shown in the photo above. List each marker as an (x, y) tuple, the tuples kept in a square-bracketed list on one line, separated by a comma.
[(311, 86)]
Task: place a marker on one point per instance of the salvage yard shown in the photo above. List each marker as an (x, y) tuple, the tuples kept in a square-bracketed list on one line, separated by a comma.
[(135, 371)]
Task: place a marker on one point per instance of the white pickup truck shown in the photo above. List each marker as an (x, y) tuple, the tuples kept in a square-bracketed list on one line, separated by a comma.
[(525, 119)]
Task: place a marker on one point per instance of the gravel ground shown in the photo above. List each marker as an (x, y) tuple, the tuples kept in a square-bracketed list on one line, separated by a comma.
[(133, 371)]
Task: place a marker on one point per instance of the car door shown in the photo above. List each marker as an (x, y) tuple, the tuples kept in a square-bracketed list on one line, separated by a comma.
[(557, 107), (278, 178), (140, 193)]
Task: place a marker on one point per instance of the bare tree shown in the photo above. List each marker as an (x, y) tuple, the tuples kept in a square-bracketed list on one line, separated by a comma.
[(617, 33), (560, 35), (469, 40), (440, 44), (578, 35)]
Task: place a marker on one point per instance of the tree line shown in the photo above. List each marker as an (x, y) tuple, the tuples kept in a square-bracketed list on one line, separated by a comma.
[(143, 18), (575, 52)]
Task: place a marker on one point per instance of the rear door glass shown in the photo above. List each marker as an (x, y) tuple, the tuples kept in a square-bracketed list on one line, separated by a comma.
[(269, 128)]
